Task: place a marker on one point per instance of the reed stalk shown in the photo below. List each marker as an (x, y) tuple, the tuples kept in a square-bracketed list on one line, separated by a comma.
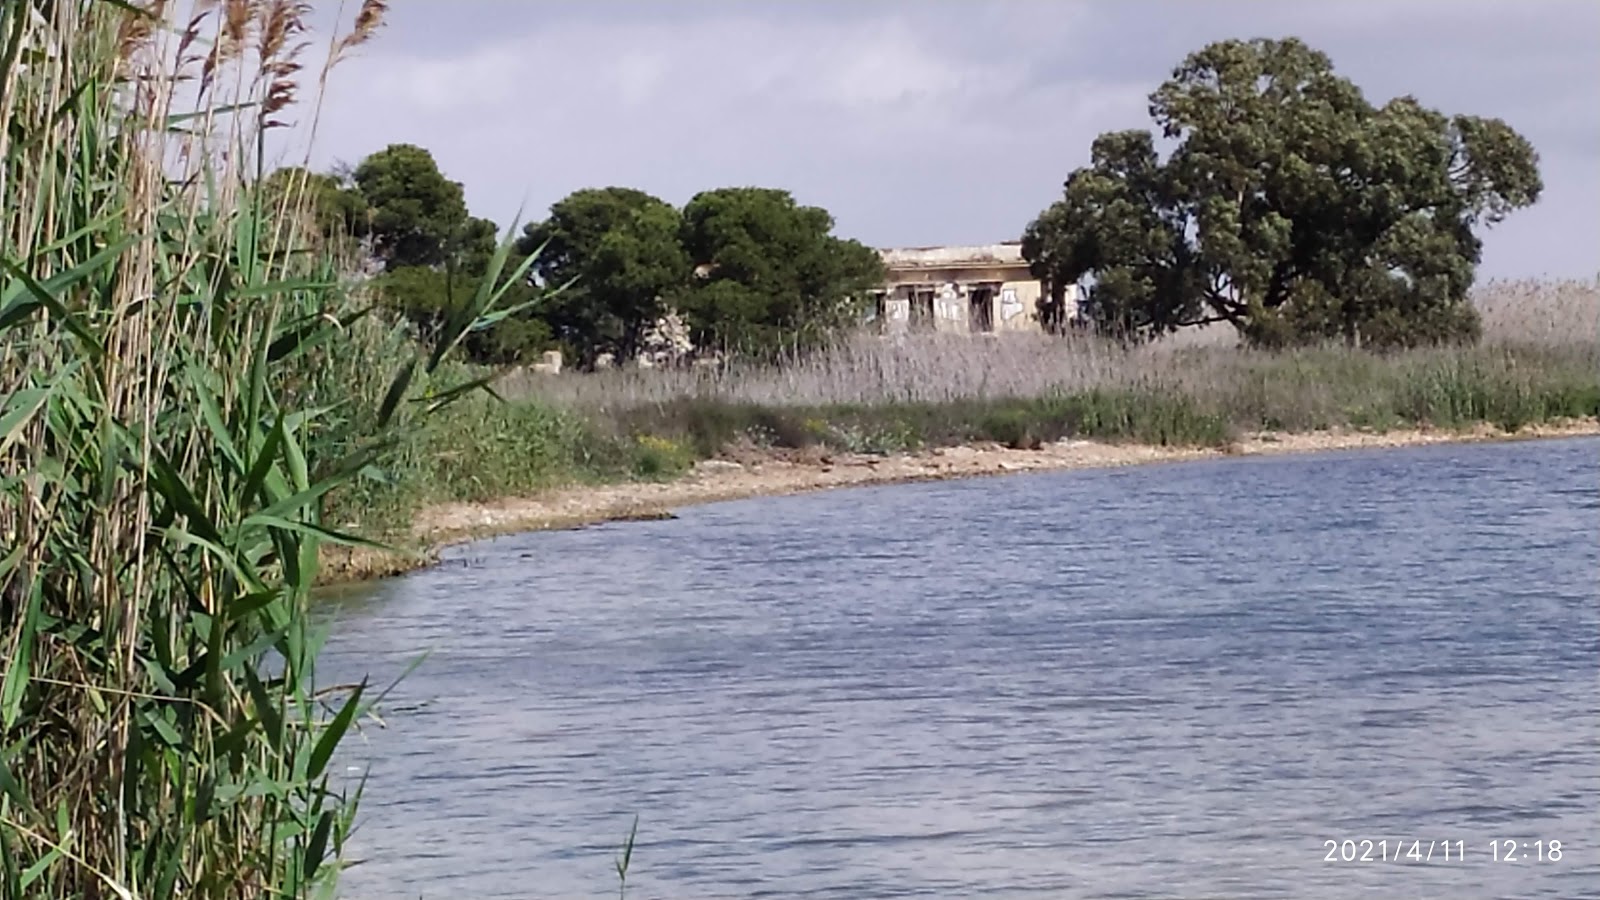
[(175, 405)]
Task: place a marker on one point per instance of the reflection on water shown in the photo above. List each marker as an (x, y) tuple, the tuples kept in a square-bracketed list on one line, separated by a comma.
[(1163, 681)]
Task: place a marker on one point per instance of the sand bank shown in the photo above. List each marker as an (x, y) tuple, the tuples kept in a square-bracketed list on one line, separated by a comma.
[(774, 473)]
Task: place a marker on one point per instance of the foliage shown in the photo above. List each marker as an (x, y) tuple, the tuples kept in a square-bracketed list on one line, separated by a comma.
[(481, 449), (435, 255), (516, 340), (1290, 207), (1244, 391), (1140, 415), (769, 274), (472, 248), (333, 206), (417, 216), (178, 398), (659, 457), (424, 296), (614, 252), (428, 298)]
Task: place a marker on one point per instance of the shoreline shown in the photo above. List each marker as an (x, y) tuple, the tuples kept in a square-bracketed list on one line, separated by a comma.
[(775, 473)]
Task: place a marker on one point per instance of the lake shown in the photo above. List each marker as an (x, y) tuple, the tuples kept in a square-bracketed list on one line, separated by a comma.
[(1165, 681)]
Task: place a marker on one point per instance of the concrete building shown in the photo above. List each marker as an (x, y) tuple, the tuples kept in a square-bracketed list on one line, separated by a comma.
[(964, 290)]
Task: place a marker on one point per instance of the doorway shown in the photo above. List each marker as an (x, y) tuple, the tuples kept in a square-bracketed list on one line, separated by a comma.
[(980, 310), (922, 311)]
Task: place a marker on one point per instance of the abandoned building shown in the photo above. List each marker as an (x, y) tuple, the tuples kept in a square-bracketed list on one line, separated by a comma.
[(965, 290)]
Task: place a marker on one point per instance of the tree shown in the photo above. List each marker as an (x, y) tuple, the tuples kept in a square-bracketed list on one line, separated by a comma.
[(423, 295), (428, 298), (469, 250), (417, 216), (616, 252), (769, 273), (334, 204), (1290, 207), (435, 254)]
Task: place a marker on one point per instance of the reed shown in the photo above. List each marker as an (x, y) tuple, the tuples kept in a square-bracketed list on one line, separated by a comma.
[(185, 381), (1548, 324), (1539, 360)]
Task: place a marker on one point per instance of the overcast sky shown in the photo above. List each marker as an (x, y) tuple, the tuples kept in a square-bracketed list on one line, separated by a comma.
[(923, 121)]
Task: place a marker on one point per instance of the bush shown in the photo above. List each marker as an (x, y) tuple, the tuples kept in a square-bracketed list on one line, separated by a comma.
[(656, 457)]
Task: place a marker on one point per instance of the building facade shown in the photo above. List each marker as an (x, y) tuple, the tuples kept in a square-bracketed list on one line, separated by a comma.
[(965, 290)]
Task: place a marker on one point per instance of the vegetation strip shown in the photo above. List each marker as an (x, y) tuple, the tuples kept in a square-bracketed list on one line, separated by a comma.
[(770, 474)]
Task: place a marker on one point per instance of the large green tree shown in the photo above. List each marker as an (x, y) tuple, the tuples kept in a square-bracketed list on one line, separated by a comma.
[(1288, 205), (435, 254), (417, 216), (614, 255), (769, 274)]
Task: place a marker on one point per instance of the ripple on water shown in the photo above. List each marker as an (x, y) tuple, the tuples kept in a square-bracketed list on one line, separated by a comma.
[(1165, 681)]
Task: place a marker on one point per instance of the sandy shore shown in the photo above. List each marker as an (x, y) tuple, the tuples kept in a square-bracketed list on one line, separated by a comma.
[(770, 474)]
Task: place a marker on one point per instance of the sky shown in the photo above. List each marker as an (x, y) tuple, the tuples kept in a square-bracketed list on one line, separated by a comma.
[(922, 122)]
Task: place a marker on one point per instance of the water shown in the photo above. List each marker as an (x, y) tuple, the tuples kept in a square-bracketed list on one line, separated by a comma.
[(1166, 681)]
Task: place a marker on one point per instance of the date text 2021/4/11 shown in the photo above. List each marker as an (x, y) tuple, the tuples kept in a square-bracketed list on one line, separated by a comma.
[(1500, 850)]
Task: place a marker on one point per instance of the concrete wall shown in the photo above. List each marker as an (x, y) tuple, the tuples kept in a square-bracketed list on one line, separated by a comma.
[(950, 310), (932, 289), (1016, 306), (956, 275)]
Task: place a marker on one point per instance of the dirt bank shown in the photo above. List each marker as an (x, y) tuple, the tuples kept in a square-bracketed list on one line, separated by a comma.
[(776, 473)]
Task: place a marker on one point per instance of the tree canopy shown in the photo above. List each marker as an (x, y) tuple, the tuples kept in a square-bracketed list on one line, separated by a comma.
[(418, 216), (749, 268), (1288, 206), (434, 254), (428, 297), (768, 271), (614, 253)]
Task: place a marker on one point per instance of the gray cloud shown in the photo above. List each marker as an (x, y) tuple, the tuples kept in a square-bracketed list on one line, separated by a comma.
[(922, 122)]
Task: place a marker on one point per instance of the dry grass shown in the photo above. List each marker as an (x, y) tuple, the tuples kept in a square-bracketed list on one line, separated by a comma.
[(1554, 323), (1548, 313), (932, 368), (1539, 361)]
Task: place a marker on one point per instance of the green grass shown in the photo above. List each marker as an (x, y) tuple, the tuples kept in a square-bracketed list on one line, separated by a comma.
[(611, 427), (709, 425), (482, 449)]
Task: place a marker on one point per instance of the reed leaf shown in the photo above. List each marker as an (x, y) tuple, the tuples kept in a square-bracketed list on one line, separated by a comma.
[(173, 419)]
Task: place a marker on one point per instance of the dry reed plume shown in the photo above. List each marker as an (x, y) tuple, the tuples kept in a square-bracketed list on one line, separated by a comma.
[(162, 733), (1550, 320)]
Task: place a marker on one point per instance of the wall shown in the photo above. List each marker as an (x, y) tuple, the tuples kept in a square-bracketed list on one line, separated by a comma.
[(896, 318), (950, 273), (950, 310), (955, 275), (1016, 306)]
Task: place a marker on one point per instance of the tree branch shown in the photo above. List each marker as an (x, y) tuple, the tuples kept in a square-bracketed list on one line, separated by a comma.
[(1207, 320)]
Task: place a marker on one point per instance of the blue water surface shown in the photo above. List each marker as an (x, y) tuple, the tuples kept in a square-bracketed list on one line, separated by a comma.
[(1164, 681)]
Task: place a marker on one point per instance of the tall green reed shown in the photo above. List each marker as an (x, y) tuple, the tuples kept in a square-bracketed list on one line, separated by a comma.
[(170, 426)]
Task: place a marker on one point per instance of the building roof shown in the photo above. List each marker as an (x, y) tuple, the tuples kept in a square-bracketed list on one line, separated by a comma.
[(1008, 253)]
